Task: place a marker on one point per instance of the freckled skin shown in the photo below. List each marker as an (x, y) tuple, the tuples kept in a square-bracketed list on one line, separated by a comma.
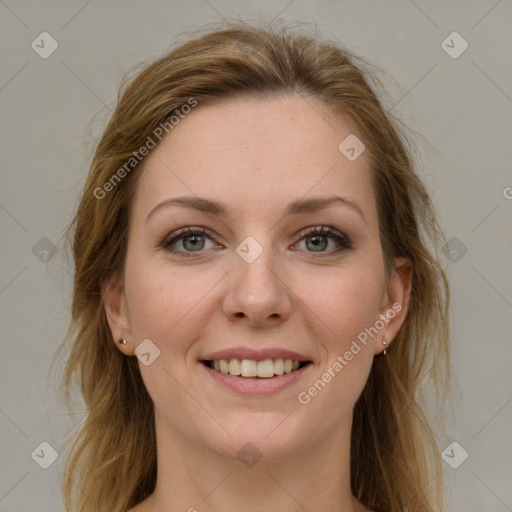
[(255, 157)]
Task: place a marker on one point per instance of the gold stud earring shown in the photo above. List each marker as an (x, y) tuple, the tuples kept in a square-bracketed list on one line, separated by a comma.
[(122, 341)]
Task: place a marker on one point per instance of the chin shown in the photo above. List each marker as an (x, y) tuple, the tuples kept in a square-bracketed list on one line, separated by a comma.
[(268, 436)]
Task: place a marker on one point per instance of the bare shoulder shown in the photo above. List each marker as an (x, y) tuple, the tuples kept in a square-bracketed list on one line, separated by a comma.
[(143, 506), (362, 508)]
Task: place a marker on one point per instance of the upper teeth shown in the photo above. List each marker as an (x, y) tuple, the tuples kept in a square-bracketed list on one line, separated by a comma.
[(252, 368)]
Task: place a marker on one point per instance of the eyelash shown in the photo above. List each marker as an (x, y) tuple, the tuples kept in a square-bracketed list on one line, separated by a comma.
[(179, 234)]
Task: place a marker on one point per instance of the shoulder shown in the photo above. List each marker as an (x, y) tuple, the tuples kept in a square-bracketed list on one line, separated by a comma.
[(143, 506)]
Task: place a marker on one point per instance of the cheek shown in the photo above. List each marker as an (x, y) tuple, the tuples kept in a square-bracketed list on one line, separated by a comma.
[(345, 302), (166, 304), (342, 309), (345, 308)]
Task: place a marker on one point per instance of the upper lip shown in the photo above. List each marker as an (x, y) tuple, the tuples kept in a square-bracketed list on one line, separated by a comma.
[(257, 355)]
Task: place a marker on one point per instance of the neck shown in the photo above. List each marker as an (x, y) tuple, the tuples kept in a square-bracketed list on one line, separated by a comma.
[(192, 477)]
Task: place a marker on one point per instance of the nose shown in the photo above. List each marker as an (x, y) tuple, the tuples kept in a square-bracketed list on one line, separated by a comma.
[(257, 293)]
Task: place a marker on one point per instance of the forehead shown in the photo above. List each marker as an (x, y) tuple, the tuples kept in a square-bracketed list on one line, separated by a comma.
[(256, 153)]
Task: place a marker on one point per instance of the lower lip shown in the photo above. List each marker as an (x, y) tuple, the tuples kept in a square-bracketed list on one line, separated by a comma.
[(257, 385)]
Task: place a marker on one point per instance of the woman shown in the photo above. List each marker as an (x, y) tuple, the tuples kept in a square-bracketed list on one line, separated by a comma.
[(256, 305)]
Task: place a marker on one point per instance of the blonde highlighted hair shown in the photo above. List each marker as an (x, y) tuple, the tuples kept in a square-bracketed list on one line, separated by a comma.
[(395, 462)]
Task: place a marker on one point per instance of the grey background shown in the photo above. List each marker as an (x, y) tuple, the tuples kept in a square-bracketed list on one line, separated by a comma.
[(52, 109)]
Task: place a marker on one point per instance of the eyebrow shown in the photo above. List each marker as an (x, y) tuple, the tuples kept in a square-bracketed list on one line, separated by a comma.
[(298, 207)]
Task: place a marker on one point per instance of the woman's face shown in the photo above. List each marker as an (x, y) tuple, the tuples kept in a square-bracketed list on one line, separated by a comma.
[(256, 283)]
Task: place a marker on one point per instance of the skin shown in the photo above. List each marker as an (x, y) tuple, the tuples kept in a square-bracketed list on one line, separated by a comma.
[(255, 157)]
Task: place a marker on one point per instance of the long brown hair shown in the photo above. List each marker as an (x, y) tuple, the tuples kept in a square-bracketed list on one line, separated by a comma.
[(395, 462)]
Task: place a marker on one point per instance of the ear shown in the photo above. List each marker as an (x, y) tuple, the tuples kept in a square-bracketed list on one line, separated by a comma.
[(118, 319), (395, 302)]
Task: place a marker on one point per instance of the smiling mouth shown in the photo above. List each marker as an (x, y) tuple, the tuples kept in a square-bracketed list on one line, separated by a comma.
[(250, 368)]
